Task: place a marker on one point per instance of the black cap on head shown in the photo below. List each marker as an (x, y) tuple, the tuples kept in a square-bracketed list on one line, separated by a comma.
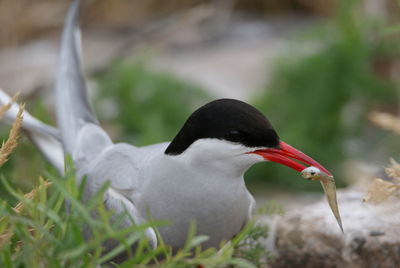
[(225, 119)]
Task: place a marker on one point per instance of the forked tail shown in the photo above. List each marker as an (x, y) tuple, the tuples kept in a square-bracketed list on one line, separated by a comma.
[(81, 135), (73, 109)]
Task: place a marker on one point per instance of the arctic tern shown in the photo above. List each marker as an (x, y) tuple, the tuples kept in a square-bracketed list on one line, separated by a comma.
[(198, 176)]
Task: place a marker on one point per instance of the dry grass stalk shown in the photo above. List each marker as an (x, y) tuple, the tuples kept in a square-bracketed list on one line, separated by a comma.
[(386, 121), (393, 171), (7, 234), (31, 195), (5, 237), (380, 191), (12, 141)]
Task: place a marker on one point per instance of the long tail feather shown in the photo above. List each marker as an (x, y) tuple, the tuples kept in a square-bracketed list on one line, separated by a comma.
[(73, 109)]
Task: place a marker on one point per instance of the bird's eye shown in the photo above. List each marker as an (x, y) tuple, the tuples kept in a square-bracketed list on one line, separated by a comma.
[(234, 135)]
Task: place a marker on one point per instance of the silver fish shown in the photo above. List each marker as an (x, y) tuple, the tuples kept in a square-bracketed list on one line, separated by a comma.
[(329, 186)]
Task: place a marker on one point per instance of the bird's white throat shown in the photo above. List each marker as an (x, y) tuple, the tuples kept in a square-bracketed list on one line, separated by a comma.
[(215, 157)]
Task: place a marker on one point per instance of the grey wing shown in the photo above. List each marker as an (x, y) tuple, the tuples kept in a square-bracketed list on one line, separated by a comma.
[(120, 204), (119, 165), (46, 138)]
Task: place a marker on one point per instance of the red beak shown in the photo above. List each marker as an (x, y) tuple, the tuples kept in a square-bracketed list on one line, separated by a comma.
[(284, 154)]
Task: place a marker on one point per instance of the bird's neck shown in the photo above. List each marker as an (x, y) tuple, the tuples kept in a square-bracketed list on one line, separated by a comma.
[(216, 157)]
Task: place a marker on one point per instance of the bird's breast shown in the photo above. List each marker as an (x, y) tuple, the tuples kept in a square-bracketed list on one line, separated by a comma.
[(217, 206)]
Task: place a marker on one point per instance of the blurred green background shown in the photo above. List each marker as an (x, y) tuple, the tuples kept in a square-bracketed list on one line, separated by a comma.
[(321, 86)]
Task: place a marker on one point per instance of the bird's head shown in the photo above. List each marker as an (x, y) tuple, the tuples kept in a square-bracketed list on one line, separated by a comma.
[(233, 134)]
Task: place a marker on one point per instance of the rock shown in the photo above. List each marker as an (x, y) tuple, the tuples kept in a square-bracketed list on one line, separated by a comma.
[(310, 237)]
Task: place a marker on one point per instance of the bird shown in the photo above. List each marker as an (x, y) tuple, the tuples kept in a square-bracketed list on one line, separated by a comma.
[(197, 177)]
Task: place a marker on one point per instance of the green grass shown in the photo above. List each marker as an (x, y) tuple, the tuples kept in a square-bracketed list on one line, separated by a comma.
[(48, 233)]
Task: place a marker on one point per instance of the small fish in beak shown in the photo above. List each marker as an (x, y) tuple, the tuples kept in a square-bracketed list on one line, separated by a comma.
[(329, 186)]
